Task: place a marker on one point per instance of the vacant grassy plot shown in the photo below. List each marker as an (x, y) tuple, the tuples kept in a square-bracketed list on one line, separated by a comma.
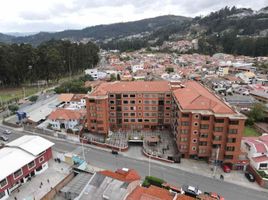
[(8, 94), (250, 132)]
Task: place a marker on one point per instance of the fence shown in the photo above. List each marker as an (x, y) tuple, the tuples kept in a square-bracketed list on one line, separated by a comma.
[(52, 193)]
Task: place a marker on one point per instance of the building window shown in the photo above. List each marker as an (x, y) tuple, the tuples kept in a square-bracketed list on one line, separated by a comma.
[(125, 120), (202, 151), (202, 143), (17, 174), (132, 114), (218, 129), (3, 183), (194, 140), (219, 120), (230, 148), (263, 165), (185, 123), (184, 131), (167, 95), (125, 95), (228, 157), (196, 116), (132, 102), (167, 102), (132, 120), (205, 118), (196, 124), (112, 95), (231, 140), (167, 108), (125, 114), (139, 120), (234, 122), (204, 135), (184, 139), (31, 165), (194, 148), (217, 138), (204, 126), (195, 132), (140, 101), (41, 159), (125, 102), (111, 102), (232, 131), (185, 115), (132, 95)]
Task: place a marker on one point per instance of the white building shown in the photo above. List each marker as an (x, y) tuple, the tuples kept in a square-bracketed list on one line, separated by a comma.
[(135, 68), (96, 75), (257, 151), (66, 119)]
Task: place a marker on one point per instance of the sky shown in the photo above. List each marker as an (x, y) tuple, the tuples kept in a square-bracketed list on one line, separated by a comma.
[(57, 15)]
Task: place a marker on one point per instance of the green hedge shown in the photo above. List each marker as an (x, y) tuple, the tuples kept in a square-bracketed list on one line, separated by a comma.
[(262, 174), (153, 181)]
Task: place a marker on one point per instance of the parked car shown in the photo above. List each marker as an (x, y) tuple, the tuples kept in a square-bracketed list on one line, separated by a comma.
[(7, 132), (191, 191), (114, 152), (3, 138), (249, 176), (226, 168)]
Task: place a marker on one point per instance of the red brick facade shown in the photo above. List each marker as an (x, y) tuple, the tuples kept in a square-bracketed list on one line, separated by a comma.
[(200, 121)]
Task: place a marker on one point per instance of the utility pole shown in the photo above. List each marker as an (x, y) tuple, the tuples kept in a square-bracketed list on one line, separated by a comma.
[(149, 165), (216, 161), (83, 150)]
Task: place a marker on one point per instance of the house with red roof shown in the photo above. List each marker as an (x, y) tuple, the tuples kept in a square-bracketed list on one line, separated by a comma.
[(257, 151), (66, 119)]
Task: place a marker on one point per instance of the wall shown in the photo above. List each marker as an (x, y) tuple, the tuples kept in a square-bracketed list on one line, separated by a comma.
[(52, 193)]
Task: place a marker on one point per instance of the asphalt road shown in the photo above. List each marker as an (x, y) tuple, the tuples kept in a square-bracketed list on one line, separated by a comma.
[(106, 160)]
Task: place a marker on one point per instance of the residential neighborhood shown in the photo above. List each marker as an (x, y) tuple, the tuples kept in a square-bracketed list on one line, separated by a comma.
[(131, 100)]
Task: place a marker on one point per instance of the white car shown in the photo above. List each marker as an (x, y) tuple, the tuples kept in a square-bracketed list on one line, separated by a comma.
[(7, 132), (191, 191)]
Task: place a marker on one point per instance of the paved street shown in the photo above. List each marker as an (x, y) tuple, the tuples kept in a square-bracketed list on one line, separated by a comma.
[(104, 159)]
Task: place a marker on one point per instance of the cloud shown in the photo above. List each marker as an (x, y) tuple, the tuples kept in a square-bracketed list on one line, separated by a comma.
[(55, 15)]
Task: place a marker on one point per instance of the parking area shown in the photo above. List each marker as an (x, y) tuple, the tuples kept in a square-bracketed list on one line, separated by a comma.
[(41, 184)]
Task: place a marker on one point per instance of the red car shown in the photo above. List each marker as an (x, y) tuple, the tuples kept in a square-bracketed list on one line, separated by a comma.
[(226, 168)]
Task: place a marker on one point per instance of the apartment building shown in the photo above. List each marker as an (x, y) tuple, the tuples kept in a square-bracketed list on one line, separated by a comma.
[(129, 106), (203, 123), (200, 121)]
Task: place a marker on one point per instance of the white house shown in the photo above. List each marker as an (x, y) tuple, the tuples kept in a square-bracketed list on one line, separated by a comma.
[(66, 119), (95, 74), (135, 68), (247, 77), (257, 151)]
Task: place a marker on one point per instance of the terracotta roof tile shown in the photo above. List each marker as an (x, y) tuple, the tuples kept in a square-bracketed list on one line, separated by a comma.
[(194, 96), (66, 114), (151, 193), (122, 175), (65, 97), (132, 86)]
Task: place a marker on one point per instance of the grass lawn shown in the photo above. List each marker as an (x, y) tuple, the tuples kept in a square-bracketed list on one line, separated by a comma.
[(250, 132), (13, 93)]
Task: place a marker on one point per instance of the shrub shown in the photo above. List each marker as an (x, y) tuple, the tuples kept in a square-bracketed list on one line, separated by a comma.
[(146, 183), (33, 98), (154, 181)]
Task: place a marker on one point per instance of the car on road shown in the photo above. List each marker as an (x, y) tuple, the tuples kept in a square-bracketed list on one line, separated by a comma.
[(3, 138), (191, 191), (7, 132), (114, 152), (226, 168), (250, 177)]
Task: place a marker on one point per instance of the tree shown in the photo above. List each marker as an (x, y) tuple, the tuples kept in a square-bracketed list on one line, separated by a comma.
[(13, 108), (118, 77), (87, 77), (33, 98), (112, 77), (169, 70), (256, 114)]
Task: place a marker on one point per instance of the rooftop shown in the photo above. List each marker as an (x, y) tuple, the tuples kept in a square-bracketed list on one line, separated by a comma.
[(20, 152), (151, 193), (66, 114), (126, 175), (132, 86), (194, 96)]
